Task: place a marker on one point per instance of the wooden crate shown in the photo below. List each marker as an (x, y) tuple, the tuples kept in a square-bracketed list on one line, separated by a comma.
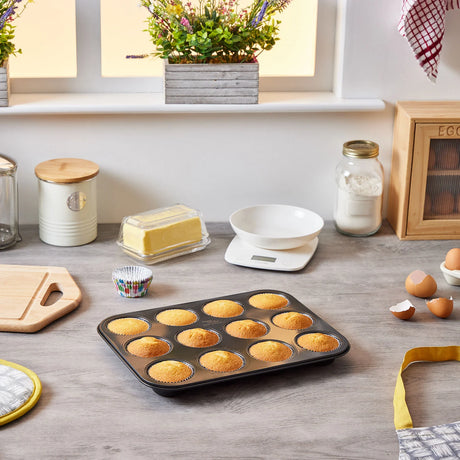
[(424, 191), (212, 83), (4, 85)]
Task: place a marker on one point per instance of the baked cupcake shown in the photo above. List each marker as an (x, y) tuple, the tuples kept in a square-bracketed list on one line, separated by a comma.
[(268, 301), (221, 361), (176, 317), (197, 338), (292, 320), (170, 371), (246, 329), (318, 342), (270, 350), (127, 326), (148, 347), (223, 308)]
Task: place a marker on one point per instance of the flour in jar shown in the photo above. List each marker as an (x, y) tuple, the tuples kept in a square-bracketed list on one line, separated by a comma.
[(359, 204)]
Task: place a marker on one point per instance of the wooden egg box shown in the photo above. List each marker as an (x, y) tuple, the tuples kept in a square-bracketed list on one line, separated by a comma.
[(424, 191)]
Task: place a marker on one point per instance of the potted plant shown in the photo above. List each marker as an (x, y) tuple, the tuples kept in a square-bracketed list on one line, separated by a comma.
[(9, 11), (211, 47)]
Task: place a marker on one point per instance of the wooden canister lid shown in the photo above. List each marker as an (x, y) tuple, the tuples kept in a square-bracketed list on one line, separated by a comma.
[(66, 170)]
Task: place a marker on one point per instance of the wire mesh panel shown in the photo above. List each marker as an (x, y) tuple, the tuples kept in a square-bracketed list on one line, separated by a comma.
[(442, 198)]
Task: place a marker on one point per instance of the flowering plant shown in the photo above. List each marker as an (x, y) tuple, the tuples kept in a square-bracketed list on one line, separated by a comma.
[(212, 31), (9, 10)]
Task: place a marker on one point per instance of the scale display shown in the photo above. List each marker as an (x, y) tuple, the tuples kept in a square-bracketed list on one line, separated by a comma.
[(264, 258), (241, 253)]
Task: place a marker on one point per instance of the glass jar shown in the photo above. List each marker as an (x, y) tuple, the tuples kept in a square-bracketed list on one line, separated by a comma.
[(359, 179), (9, 221)]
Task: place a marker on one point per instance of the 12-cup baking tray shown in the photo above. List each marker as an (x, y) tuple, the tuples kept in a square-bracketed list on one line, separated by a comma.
[(191, 356)]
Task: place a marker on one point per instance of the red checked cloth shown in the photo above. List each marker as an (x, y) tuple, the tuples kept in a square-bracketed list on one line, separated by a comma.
[(423, 23)]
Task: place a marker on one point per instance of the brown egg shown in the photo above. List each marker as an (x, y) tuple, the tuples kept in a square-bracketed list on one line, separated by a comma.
[(441, 306), (447, 158), (427, 207), (443, 203), (420, 284), (403, 310), (453, 259)]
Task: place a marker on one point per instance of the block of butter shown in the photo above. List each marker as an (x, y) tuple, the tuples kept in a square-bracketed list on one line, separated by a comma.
[(163, 233)]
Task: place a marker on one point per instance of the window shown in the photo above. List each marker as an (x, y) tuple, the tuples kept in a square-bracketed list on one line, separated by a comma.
[(44, 56), (95, 37)]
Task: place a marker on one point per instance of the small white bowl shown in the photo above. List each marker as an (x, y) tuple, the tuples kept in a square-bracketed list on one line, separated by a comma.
[(276, 226), (451, 276)]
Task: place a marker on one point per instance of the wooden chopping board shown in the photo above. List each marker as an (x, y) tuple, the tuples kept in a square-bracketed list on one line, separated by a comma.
[(24, 290)]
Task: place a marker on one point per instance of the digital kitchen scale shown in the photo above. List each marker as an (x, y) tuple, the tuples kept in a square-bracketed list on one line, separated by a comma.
[(239, 252)]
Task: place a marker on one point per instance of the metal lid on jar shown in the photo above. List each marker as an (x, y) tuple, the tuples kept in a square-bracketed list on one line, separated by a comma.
[(7, 165), (361, 149), (66, 170)]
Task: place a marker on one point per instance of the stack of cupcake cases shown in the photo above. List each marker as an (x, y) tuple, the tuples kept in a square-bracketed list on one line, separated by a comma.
[(132, 281)]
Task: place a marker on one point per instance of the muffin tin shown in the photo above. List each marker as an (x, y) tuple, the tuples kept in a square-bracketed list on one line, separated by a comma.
[(190, 356)]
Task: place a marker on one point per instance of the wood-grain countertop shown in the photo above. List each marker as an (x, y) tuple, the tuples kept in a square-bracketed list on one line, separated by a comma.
[(93, 407)]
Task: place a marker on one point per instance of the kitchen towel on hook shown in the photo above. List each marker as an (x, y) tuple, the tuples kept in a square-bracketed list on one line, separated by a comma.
[(423, 23)]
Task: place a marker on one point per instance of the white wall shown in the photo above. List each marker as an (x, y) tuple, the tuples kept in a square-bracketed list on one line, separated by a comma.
[(219, 163), (378, 62)]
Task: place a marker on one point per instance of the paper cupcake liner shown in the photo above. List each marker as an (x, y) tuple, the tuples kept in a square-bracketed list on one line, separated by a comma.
[(132, 281)]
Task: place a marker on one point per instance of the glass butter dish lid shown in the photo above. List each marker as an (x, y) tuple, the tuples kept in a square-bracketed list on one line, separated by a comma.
[(163, 233)]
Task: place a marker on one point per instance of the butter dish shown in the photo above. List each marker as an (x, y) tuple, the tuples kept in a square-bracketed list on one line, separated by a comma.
[(163, 233)]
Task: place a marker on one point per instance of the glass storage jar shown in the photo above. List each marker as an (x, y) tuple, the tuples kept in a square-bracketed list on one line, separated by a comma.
[(359, 179), (9, 221)]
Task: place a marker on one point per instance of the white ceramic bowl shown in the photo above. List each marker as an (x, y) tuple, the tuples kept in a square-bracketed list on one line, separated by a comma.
[(276, 226), (451, 276)]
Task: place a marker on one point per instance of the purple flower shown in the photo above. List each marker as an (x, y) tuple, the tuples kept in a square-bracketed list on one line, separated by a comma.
[(185, 22), (5, 16), (281, 4), (8, 13), (261, 15), (136, 56)]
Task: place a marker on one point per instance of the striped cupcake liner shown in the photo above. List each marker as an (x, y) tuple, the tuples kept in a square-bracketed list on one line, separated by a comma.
[(132, 281)]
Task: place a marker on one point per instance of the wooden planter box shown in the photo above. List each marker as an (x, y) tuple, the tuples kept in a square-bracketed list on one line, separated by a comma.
[(211, 83), (4, 85), (424, 192)]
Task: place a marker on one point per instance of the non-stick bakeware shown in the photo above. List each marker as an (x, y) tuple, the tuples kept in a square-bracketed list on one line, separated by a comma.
[(191, 356)]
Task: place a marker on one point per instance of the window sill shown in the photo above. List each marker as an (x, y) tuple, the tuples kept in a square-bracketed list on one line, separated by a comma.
[(153, 103)]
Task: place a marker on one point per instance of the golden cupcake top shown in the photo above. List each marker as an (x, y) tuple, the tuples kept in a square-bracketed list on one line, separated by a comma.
[(268, 301), (197, 338), (148, 347), (127, 326), (318, 342), (176, 317), (292, 320), (246, 329), (270, 350), (170, 371), (221, 361), (223, 308)]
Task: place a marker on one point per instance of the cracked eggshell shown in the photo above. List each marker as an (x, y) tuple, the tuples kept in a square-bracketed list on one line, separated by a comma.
[(403, 310), (441, 307), (419, 284)]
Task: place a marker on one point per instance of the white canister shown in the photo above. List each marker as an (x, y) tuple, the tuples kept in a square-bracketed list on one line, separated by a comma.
[(67, 201)]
